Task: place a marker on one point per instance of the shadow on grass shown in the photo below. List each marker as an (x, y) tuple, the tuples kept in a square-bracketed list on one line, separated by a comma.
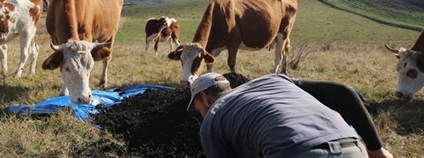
[(13, 93), (409, 114)]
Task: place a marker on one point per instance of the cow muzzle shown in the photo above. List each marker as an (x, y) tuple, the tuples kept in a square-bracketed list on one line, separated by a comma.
[(85, 99), (185, 84), (403, 95)]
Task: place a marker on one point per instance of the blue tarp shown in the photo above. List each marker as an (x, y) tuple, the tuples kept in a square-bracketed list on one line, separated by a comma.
[(108, 98)]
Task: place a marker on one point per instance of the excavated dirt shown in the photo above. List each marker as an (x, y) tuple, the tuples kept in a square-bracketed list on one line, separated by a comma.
[(156, 124)]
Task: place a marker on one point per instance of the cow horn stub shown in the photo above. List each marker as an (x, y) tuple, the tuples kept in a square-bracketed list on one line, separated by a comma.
[(55, 47), (391, 49), (179, 47)]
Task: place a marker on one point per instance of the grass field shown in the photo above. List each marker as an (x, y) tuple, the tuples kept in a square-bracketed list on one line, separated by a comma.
[(340, 46), (404, 14)]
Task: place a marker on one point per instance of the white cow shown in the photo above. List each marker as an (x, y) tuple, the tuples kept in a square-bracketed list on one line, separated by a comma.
[(76, 65), (19, 18), (410, 67)]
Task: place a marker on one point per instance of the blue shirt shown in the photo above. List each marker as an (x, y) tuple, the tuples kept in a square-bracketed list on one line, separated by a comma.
[(269, 117)]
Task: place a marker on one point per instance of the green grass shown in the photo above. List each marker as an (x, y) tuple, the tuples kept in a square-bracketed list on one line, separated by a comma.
[(340, 46), (405, 14)]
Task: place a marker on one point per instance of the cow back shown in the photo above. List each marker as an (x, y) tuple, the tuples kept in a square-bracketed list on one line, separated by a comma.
[(93, 20)]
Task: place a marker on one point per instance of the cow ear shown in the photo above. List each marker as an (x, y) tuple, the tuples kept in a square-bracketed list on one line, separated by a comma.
[(209, 58), (53, 61), (100, 52), (420, 61), (176, 55)]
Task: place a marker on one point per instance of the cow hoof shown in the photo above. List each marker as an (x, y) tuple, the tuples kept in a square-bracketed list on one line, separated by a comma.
[(16, 76), (102, 84)]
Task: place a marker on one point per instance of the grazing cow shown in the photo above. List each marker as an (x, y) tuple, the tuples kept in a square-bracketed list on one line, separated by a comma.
[(19, 18), (73, 25), (234, 24), (410, 67), (160, 30)]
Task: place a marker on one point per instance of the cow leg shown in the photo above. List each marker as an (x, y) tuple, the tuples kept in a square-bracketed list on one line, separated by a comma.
[(34, 56), (3, 59), (175, 39), (171, 43), (284, 35), (280, 59), (232, 56), (156, 45), (103, 77), (25, 40), (215, 53), (147, 45)]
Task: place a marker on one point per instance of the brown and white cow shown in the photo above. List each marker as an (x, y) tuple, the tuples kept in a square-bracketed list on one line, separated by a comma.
[(234, 24), (410, 67), (160, 30), (73, 26), (19, 18)]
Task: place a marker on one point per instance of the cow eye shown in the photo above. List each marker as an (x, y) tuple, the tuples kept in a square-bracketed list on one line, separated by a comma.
[(404, 65), (67, 69)]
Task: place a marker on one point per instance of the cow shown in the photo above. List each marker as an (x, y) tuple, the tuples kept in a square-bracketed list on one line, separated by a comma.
[(234, 24), (73, 26), (410, 67), (160, 30), (19, 18)]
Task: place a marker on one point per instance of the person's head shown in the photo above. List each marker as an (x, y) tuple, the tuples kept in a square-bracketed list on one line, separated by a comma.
[(205, 90)]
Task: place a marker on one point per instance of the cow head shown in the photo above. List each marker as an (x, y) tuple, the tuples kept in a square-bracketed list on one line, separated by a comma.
[(76, 62), (163, 22), (410, 67), (192, 57)]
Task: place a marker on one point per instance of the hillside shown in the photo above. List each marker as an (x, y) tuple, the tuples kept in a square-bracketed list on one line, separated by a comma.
[(316, 22), (405, 14)]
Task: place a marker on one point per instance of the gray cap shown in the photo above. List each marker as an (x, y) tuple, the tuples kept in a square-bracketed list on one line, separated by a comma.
[(201, 83)]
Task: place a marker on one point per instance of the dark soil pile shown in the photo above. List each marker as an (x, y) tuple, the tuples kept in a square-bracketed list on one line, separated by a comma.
[(156, 123)]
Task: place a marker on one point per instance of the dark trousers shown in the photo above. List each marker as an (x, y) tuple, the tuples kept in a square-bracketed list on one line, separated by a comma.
[(345, 100)]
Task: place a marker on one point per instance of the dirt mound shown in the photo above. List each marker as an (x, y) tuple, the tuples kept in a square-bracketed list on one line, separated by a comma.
[(156, 123)]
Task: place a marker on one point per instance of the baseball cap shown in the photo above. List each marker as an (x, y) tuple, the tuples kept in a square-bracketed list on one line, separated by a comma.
[(204, 82)]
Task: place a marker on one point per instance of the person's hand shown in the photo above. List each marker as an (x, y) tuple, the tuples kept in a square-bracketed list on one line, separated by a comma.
[(380, 153)]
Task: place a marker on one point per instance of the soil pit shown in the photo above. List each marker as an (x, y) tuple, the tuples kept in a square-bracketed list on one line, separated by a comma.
[(156, 123)]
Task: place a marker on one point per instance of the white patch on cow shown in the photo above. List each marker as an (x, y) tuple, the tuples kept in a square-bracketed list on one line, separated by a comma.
[(20, 24), (168, 22), (407, 61), (153, 37), (77, 66), (190, 52)]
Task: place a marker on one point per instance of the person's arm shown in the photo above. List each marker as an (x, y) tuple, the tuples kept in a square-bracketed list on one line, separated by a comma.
[(380, 153), (344, 100)]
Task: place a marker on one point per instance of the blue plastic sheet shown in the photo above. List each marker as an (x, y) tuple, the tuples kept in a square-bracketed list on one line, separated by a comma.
[(108, 98)]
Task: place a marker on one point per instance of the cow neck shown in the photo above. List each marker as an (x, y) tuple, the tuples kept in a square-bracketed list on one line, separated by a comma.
[(419, 44), (202, 33), (72, 19)]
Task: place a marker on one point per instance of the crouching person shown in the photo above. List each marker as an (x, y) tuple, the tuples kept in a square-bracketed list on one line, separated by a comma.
[(276, 116)]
